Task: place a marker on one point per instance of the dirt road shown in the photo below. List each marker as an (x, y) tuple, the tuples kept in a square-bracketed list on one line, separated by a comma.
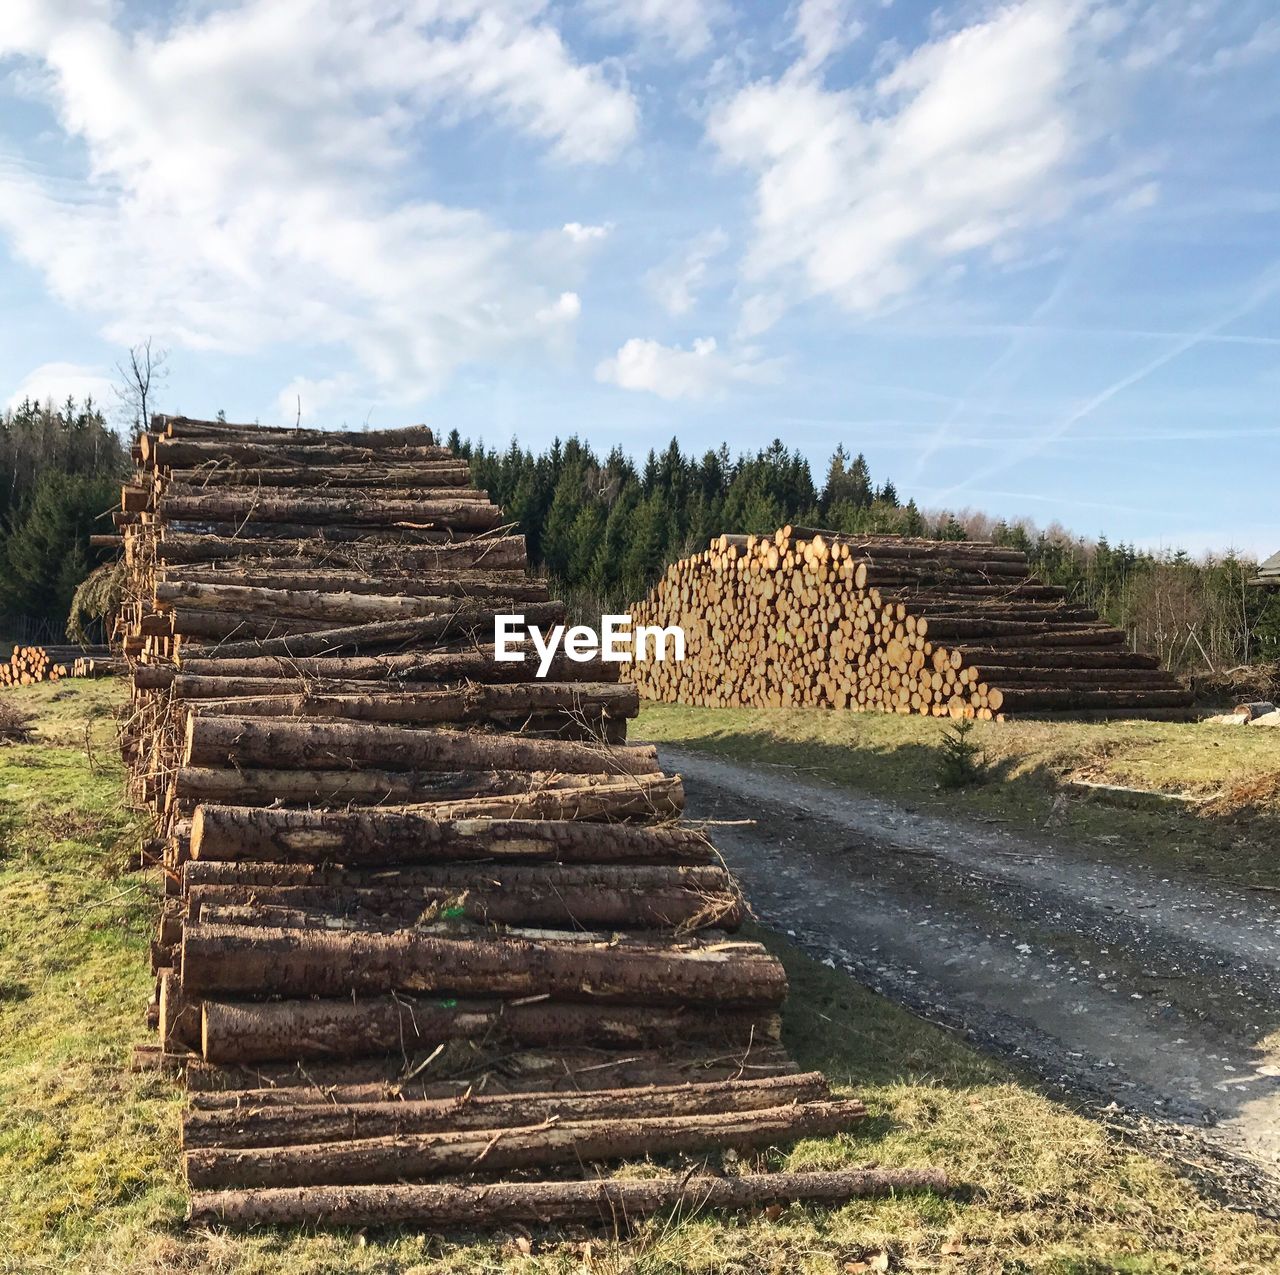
[(1161, 996)]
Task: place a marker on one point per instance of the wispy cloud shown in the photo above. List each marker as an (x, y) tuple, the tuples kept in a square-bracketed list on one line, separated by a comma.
[(246, 168)]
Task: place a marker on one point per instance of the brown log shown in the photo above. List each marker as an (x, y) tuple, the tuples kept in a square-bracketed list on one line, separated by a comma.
[(189, 427), (288, 1030), (309, 604), (489, 553), (556, 904), (376, 787), (385, 581), (307, 745), (310, 1123), (587, 701), (267, 454), (613, 1202), (1020, 699), (394, 1159), (222, 959), (215, 1087), (227, 504), (435, 473), (371, 636), (378, 837)]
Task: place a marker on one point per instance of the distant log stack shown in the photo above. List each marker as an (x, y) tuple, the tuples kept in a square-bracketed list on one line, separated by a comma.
[(889, 624), (426, 918), (28, 665)]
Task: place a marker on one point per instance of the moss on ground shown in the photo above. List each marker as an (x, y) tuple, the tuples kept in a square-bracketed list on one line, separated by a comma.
[(89, 1176), (1235, 836)]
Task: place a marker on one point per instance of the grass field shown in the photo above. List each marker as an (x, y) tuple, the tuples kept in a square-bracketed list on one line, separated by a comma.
[(89, 1158), (1233, 835)]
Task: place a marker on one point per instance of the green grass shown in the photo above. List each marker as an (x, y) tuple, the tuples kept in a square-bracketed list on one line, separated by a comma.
[(1232, 837), (89, 1159)]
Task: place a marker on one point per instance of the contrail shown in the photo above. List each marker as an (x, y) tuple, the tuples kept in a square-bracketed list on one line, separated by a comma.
[(1269, 284), (998, 364)]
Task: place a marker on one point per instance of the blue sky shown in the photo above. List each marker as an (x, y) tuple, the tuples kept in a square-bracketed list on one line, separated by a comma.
[(1023, 255)]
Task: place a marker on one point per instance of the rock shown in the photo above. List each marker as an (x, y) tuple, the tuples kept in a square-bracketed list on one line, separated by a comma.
[(1267, 719)]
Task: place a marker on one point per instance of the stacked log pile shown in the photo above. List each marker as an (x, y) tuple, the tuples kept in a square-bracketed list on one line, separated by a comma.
[(28, 665), (426, 918), (889, 624)]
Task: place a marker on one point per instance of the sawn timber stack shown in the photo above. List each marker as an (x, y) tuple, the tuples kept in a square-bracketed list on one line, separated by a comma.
[(890, 624), (435, 947)]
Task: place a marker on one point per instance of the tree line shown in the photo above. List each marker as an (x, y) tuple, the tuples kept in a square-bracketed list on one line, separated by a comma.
[(60, 472), (606, 529)]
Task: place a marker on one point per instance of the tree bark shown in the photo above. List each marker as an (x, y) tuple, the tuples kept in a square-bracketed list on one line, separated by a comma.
[(306, 745), (435, 473), (172, 453), (221, 959), (524, 789), (514, 705), (190, 428), (228, 504), (460, 583), (487, 552), (375, 1160), (416, 668), (290, 1030), (614, 1202), (496, 1070), (310, 1123), (379, 837), (556, 905), (307, 604), (370, 636)]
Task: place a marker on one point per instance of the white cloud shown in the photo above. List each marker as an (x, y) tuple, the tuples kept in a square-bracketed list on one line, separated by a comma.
[(566, 308), (824, 27), (578, 233), (246, 172), (676, 283), (671, 372), (683, 26), (963, 146), (56, 382)]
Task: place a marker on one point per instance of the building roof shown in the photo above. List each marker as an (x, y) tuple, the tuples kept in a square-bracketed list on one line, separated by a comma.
[(1269, 572)]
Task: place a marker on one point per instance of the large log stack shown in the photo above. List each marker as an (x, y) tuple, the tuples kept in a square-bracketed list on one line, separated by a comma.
[(889, 624), (427, 918)]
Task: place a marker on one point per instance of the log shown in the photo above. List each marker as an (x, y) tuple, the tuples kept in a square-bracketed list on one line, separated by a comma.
[(460, 583), (223, 959), (214, 1087), (394, 1159), (218, 877), (306, 745), (227, 504), (188, 427), (387, 906), (172, 453), (379, 837), (614, 1202), (308, 604), (354, 638), (286, 1031), (488, 552), (651, 799), (586, 702), (310, 1123), (448, 667), (376, 787), (1043, 697), (435, 473)]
